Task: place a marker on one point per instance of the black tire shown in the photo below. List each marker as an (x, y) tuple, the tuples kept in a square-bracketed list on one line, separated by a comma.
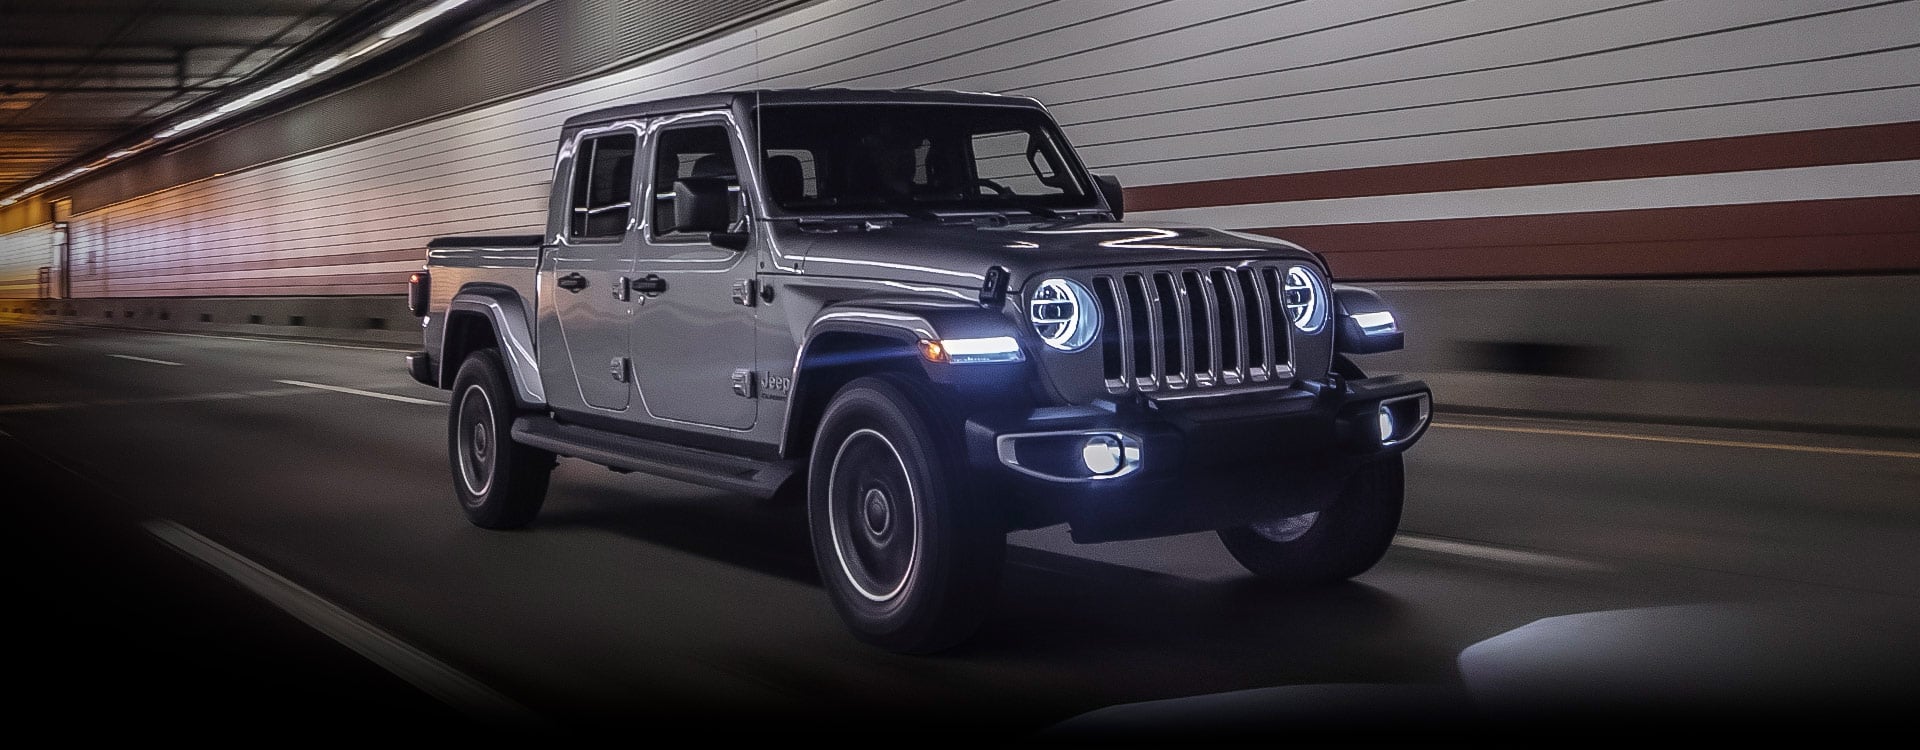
[(1333, 545), (499, 483), (887, 460)]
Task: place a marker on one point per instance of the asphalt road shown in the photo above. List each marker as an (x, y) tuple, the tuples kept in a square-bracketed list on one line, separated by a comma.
[(200, 523)]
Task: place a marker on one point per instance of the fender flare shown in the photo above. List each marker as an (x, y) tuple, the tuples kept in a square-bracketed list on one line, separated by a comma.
[(503, 308), (1349, 336), (906, 321)]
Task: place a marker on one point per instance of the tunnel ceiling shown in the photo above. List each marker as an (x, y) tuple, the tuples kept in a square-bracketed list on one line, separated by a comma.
[(76, 75)]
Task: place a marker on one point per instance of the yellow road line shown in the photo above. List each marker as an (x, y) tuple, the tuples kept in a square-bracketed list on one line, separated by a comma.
[(1687, 441)]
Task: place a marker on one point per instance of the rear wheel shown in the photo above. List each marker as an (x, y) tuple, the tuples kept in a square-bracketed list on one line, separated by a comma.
[(499, 483), (1330, 545), (909, 557)]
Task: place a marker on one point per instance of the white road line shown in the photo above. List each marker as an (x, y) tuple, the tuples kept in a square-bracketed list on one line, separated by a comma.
[(1496, 554), (358, 392), (432, 676), (395, 348), (36, 343), (1685, 441), (144, 359), (182, 399)]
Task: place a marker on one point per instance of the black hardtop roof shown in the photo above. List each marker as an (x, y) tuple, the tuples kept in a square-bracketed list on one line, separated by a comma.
[(727, 99)]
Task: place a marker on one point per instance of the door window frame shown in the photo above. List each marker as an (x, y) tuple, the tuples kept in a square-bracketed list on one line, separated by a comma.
[(743, 172), (574, 165)]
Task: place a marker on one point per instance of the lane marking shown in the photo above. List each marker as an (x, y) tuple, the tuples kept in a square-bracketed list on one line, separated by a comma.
[(36, 343), (1496, 554), (358, 392), (397, 348), (183, 399), (420, 669), (394, 348), (145, 359), (1686, 441)]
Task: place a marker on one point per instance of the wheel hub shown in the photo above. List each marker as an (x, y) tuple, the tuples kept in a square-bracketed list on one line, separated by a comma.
[(869, 488), (879, 513), (475, 438)]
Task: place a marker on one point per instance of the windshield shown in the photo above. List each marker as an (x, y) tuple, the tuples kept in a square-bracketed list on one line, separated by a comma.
[(840, 158)]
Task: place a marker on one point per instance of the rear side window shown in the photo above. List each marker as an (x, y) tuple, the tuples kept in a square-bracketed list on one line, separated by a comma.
[(602, 199)]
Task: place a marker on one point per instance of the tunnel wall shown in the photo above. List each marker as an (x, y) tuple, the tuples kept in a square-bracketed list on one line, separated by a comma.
[(1501, 140), (1406, 139), (23, 253)]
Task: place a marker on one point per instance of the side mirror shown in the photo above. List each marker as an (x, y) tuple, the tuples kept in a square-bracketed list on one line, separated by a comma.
[(1111, 192), (1366, 326)]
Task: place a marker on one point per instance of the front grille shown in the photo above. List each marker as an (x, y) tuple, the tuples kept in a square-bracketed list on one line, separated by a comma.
[(1193, 328)]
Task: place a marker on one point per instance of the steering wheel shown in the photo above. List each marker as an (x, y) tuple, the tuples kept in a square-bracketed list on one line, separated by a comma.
[(998, 189)]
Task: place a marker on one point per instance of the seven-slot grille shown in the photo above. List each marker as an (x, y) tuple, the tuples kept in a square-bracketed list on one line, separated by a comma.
[(1170, 329)]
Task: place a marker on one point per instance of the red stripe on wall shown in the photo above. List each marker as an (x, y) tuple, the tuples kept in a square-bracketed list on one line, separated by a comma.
[(1831, 236), (1806, 148)]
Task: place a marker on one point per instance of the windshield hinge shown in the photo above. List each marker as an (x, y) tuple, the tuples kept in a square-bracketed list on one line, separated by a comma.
[(993, 289)]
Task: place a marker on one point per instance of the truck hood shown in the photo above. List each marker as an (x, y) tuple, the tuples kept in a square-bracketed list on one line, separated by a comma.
[(927, 252)]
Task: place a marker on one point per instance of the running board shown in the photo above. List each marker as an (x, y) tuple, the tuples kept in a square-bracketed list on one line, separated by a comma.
[(720, 471)]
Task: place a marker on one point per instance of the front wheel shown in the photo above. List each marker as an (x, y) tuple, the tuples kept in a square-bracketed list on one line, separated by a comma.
[(909, 557), (499, 483), (1330, 545)]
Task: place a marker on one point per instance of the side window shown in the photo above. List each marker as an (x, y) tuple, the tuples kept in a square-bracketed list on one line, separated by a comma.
[(1019, 163), (602, 198), (693, 151)]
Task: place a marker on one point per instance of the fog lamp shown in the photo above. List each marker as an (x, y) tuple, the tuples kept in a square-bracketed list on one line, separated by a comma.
[(1103, 455), (1386, 424)]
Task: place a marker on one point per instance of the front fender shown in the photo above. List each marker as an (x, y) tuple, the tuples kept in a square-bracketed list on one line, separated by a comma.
[(910, 320), (1354, 309), (902, 325), (507, 314)]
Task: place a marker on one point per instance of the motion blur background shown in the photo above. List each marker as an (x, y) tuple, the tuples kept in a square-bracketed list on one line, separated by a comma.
[(1659, 260), (1688, 211)]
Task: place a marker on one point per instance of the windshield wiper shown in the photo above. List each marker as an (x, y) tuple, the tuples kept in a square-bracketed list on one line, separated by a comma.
[(912, 211)]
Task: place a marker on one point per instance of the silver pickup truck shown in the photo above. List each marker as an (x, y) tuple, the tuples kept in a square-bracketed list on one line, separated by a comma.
[(917, 313)]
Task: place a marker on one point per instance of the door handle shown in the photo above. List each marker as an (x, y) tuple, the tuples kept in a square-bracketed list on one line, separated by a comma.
[(572, 282), (650, 284)]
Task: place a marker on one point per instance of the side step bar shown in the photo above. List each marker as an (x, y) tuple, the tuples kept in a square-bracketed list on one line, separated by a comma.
[(720, 471)]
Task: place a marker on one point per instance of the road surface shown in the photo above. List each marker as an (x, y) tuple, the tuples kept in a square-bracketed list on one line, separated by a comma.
[(282, 512)]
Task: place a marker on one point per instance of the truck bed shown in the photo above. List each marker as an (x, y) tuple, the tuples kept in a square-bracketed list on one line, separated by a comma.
[(454, 263)]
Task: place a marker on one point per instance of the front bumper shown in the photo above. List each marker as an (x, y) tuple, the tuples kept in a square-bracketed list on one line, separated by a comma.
[(1197, 465)]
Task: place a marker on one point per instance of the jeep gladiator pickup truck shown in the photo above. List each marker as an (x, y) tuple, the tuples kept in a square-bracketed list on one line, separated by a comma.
[(917, 313)]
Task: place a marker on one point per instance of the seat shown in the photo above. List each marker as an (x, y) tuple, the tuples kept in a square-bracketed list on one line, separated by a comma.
[(715, 165), (786, 180)]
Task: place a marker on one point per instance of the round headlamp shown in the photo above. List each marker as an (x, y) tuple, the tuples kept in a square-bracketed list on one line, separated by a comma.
[(1306, 299), (1064, 314)]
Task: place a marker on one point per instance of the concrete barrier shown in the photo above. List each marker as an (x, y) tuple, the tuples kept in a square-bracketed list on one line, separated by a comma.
[(1837, 354), (1810, 353), (368, 319)]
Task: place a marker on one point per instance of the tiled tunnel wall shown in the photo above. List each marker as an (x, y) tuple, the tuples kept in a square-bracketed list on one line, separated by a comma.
[(1507, 162)]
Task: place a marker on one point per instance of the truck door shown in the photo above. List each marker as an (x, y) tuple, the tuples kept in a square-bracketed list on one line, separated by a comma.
[(586, 271), (693, 337)]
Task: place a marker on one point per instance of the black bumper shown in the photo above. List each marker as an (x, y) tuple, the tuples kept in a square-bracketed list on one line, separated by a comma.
[(1203, 464), (420, 366)]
